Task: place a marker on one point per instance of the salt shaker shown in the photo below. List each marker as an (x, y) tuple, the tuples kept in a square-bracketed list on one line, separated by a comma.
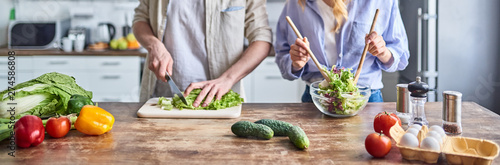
[(452, 112), (418, 95), (403, 104)]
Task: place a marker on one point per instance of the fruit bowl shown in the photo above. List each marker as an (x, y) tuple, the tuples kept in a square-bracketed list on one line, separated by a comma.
[(345, 104)]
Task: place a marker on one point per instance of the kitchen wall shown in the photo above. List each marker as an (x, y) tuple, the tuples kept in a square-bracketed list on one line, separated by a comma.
[(98, 11), (5, 7), (469, 39)]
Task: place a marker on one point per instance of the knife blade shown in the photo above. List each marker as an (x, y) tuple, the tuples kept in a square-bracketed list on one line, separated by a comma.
[(175, 89)]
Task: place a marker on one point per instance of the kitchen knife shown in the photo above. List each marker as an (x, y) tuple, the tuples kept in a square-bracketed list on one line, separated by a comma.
[(175, 89)]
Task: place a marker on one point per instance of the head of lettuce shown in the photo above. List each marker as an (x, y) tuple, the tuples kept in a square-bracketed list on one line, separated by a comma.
[(44, 96)]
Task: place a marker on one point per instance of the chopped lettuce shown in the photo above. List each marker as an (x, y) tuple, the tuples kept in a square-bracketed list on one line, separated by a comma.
[(43, 96), (165, 103), (339, 102), (230, 99)]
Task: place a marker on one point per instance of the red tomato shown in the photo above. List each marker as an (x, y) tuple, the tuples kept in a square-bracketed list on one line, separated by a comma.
[(58, 127), (377, 145), (384, 121)]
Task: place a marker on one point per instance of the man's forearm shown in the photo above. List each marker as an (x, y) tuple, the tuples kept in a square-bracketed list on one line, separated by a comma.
[(145, 36), (251, 58)]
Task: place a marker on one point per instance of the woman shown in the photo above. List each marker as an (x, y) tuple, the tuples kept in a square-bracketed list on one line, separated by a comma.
[(336, 31)]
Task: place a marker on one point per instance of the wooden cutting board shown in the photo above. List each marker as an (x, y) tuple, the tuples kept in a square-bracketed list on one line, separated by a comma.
[(151, 110)]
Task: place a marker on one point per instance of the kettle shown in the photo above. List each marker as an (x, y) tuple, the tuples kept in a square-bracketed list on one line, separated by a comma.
[(106, 32)]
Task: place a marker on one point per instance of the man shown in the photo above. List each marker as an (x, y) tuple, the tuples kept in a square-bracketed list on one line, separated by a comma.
[(200, 43)]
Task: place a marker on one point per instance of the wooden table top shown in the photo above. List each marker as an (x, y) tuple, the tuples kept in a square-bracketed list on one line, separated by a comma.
[(210, 141)]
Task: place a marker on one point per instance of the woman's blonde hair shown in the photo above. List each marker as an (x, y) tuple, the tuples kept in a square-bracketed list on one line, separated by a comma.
[(339, 12)]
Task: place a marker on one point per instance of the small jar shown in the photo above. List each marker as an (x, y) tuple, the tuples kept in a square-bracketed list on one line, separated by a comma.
[(452, 112), (403, 104)]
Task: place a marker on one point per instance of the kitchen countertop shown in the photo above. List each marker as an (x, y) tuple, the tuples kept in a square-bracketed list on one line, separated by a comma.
[(210, 141), (4, 52)]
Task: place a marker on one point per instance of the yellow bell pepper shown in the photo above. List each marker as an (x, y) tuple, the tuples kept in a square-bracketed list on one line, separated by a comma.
[(94, 120)]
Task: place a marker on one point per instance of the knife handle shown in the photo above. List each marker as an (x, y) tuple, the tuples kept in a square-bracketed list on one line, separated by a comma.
[(167, 76)]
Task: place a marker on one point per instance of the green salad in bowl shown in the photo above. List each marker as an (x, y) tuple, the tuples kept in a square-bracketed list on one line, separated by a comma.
[(340, 97)]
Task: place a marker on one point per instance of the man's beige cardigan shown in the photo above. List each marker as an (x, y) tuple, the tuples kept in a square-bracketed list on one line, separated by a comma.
[(228, 23)]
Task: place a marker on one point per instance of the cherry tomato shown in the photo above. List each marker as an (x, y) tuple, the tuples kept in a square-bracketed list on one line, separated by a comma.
[(384, 121), (58, 127), (378, 145)]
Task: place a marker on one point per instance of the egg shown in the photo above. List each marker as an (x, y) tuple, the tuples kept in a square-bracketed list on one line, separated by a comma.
[(413, 131), (409, 140), (416, 126), (430, 143), (438, 129), (435, 135)]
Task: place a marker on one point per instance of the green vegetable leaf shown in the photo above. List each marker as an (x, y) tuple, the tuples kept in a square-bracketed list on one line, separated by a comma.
[(230, 99), (43, 96), (341, 81)]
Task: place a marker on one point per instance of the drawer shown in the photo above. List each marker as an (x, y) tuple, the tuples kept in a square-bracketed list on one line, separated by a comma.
[(271, 87), (23, 63), (60, 62), (24, 76), (114, 82), (268, 65), (81, 78), (20, 77), (115, 98), (114, 63)]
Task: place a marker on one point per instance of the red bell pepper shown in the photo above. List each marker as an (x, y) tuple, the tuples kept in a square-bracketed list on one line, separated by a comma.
[(29, 131)]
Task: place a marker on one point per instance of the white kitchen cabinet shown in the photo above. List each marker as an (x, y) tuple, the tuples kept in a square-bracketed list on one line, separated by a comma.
[(110, 78), (23, 70), (266, 85)]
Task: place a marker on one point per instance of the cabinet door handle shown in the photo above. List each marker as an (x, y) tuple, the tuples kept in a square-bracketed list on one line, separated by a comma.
[(110, 99), (58, 62), (114, 63), (111, 77), (273, 77)]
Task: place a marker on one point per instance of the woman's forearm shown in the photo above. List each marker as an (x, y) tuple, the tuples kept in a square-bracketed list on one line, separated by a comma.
[(251, 58), (386, 57)]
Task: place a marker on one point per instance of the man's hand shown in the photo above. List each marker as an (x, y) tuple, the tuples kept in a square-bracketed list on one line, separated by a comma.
[(160, 61), (210, 89), (376, 46)]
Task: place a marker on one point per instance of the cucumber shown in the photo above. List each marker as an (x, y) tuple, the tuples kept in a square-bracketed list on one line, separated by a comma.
[(298, 137), (246, 129), (280, 128)]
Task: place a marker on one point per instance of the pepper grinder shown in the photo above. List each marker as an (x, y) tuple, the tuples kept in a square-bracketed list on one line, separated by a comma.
[(418, 97)]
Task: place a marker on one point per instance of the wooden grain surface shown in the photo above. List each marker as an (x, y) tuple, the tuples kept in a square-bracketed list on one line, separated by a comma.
[(210, 141)]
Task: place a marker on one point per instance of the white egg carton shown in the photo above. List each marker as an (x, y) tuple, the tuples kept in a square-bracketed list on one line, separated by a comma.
[(458, 150)]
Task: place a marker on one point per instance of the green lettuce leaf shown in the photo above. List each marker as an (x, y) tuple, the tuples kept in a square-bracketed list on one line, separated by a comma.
[(230, 99), (43, 96)]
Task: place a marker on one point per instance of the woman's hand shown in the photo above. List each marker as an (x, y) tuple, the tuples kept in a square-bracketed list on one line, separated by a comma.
[(298, 54), (376, 46), (210, 89), (160, 60)]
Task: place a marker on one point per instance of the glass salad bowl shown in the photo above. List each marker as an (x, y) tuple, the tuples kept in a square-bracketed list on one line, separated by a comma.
[(345, 104)]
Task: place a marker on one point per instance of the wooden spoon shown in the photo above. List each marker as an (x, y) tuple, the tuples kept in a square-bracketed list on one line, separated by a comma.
[(362, 60), (308, 50)]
